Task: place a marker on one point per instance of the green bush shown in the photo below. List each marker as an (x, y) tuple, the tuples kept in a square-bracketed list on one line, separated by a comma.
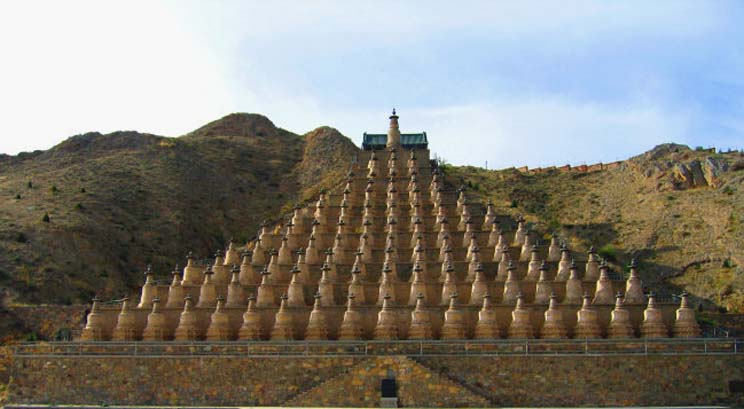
[(46, 218), (608, 252)]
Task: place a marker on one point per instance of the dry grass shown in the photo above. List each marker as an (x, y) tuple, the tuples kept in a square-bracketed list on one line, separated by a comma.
[(682, 237), (121, 201)]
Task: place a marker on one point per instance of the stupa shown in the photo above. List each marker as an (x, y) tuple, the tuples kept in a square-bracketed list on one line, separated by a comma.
[(386, 250)]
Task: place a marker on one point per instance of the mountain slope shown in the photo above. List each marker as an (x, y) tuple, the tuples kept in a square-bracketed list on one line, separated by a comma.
[(679, 212), (120, 201)]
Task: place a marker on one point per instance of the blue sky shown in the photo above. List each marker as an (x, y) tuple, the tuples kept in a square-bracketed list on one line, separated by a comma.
[(512, 83)]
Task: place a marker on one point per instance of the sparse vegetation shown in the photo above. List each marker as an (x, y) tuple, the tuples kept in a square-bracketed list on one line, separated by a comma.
[(636, 211), (128, 201), (608, 252), (150, 204)]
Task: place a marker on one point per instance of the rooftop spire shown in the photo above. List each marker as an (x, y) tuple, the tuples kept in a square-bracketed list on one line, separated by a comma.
[(393, 136)]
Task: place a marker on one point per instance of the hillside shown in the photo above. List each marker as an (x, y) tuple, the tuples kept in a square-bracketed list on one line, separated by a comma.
[(120, 201), (680, 212)]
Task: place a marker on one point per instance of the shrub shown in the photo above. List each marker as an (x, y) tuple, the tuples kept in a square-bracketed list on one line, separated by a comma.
[(18, 196), (54, 189), (30, 185), (21, 238), (82, 190), (46, 218), (608, 252)]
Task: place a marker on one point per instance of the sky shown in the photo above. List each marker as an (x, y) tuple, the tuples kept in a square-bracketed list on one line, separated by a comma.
[(534, 83)]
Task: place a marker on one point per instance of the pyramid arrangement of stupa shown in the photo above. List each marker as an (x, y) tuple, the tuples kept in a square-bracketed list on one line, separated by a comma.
[(393, 254)]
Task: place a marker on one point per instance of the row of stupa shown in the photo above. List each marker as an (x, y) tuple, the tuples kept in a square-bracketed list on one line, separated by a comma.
[(396, 253)]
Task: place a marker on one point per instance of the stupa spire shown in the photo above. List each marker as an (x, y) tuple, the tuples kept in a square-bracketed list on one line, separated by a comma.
[(420, 327), (351, 327), (93, 330), (251, 328), (553, 326), (188, 329), (685, 325), (125, 324), (393, 135), (620, 324), (219, 324), (316, 326)]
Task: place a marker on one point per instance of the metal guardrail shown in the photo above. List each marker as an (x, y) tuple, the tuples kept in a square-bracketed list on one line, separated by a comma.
[(528, 347)]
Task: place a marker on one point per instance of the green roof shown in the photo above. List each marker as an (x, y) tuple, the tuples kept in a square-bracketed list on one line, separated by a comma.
[(407, 140)]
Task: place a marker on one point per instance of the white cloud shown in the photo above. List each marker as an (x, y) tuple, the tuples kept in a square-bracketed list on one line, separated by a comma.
[(101, 66), (543, 132), (169, 67)]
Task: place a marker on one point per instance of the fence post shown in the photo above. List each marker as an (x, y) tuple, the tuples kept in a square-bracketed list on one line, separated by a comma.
[(526, 346), (645, 346), (421, 347)]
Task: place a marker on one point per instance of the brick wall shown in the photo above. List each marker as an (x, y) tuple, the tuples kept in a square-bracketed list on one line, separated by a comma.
[(354, 381)]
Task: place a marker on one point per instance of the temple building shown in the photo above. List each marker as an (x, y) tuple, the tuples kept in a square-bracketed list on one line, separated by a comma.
[(396, 251)]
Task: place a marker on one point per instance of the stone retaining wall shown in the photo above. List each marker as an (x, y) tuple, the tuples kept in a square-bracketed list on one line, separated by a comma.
[(426, 381)]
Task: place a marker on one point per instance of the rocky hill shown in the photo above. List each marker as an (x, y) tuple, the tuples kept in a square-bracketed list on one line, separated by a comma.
[(89, 214), (680, 212)]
